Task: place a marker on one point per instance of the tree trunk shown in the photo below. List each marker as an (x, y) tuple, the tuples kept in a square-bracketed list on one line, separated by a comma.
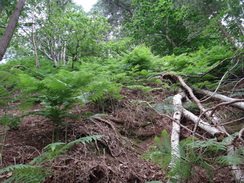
[(226, 34), (239, 105), (238, 23), (202, 124), (175, 134), (34, 42), (9, 31)]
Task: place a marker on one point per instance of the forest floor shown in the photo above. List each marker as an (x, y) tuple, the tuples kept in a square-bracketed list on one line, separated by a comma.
[(129, 130)]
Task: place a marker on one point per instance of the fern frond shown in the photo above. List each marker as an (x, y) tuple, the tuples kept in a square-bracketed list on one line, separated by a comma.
[(211, 144), (231, 160), (53, 150), (26, 173)]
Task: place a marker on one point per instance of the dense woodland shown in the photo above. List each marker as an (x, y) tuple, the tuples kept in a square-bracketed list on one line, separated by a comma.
[(133, 91)]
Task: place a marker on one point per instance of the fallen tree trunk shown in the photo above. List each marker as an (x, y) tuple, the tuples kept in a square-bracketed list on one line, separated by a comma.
[(224, 98), (202, 124), (235, 169), (204, 111), (175, 133)]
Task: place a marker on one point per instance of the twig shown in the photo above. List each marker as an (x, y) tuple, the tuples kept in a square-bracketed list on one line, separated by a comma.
[(221, 81), (236, 85), (233, 121), (107, 122), (225, 103)]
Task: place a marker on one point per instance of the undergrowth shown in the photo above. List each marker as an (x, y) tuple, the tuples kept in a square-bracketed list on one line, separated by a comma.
[(193, 153), (37, 172)]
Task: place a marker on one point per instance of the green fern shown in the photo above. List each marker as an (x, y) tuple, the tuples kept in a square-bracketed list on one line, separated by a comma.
[(8, 84), (161, 154), (53, 150), (139, 59), (165, 107), (37, 172), (237, 158), (9, 120), (184, 166), (26, 173)]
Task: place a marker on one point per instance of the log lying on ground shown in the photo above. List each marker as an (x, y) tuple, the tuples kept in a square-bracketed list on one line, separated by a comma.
[(224, 98), (216, 132), (175, 134), (202, 124), (204, 111), (236, 170)]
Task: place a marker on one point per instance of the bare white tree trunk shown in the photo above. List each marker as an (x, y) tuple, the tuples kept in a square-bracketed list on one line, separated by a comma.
[(239, 105), (175, 134), (202, 124), (204, 111)]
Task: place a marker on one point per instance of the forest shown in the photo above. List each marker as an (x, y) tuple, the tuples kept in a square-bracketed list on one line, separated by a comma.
[(132, 91)]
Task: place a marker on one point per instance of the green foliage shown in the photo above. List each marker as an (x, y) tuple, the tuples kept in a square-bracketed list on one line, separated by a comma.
[(57, 92), (37, 172), (26, 173), (9, 121), (238, 93), (140, 58), (144, 89), (190, 156), (8, 84), (197, 63), (54, 150), (162, 153), (106, 80), (165, 107), (236, 159)]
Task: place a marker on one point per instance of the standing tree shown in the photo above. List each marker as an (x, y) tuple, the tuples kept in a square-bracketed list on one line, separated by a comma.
[(67, 36), (9, 31)]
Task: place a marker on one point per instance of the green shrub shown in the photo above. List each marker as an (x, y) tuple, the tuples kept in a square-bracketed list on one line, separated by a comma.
[(140, 58)]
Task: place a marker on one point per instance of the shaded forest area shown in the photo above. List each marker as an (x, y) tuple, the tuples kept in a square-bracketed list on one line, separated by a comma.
[(132, 91)]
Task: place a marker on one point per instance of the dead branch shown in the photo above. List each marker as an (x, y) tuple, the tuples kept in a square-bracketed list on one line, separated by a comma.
[(224, 98), (18, 66), (202, 124), (238, 82), (233, 121), (225, 103), (203, 110), (217, 88), (107, 122), (240, 134)]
